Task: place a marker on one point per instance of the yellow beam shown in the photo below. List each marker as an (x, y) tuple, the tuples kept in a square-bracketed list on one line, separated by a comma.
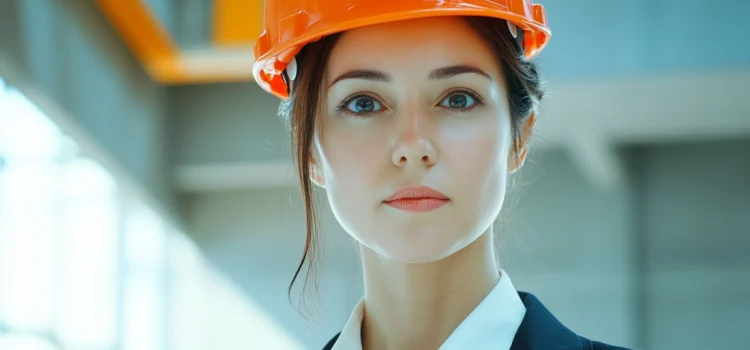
[(141, 31), (236, 22), (156, 51)]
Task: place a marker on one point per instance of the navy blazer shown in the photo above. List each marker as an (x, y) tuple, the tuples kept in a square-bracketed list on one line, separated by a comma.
[(540, 330)]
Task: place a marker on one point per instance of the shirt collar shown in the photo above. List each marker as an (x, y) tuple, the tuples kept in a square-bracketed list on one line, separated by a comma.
[(491, 325)]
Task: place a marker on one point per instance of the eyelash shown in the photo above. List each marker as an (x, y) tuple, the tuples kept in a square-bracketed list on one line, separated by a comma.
[(342, 107)]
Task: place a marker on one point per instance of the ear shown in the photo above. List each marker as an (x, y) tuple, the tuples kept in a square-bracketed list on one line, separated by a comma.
[(517, 156), (316, 174)]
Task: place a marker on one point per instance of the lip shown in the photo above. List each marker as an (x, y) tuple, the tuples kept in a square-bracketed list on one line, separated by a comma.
[(417, 199)]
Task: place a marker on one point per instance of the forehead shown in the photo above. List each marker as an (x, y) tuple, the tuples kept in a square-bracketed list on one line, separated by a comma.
[(428, 42)]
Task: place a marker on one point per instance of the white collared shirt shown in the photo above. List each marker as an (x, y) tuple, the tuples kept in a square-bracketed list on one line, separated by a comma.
[(491, 325)]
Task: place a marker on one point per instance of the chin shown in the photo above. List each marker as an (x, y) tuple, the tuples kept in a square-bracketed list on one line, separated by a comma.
[(418, 246)]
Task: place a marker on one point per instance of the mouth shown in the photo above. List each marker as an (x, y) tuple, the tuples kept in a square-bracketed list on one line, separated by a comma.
[(417, 199)]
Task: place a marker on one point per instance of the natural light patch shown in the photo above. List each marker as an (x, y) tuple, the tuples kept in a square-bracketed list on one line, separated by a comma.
[(238, 315), (186, 298), (28, 188), (145, 238), (84, 180), (26, 133), (144, 308), (89, 268), (27, 269), (87, 265), (25, 342), (145, 262)]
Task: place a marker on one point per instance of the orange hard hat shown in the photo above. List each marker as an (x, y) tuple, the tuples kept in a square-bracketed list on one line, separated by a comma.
[(290, 24)]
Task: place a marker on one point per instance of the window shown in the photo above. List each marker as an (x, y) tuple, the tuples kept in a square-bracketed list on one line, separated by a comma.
[(30, 148), (84, 264)]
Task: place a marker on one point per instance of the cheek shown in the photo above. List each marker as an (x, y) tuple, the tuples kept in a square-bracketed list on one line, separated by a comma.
[(479, 151), (353, 160), (352, 153), (478, 163)]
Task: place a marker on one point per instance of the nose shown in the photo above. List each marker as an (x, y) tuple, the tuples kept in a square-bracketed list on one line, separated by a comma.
[(414, 146)]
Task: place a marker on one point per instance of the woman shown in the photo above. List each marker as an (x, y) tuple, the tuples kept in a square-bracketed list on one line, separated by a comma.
[(411, 115)]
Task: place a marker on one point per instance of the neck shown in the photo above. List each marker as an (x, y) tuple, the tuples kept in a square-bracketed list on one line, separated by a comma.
[(415, 306)]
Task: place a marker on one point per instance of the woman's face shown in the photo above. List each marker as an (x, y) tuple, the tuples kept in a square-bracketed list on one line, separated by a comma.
[(414, 103)]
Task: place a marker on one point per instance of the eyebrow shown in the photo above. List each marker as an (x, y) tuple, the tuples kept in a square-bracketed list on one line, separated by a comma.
[(452, 71), (440, 73), (372, 75)]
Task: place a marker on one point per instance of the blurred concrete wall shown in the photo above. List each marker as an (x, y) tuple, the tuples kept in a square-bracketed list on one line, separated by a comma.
[(694, 228), (226, 123), (623, 38)]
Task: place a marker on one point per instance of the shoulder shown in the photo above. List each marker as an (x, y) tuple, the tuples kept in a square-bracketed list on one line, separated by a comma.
[(587, 344), (330, 343), (541, 330)]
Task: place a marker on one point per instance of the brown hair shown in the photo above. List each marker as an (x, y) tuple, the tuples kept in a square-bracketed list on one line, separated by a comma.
[(301, 109)]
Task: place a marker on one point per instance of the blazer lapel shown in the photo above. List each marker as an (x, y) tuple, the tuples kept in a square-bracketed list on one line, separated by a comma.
[(540, 330)]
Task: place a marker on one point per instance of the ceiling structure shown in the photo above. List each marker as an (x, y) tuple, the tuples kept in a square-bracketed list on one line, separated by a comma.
[(228, 57)]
